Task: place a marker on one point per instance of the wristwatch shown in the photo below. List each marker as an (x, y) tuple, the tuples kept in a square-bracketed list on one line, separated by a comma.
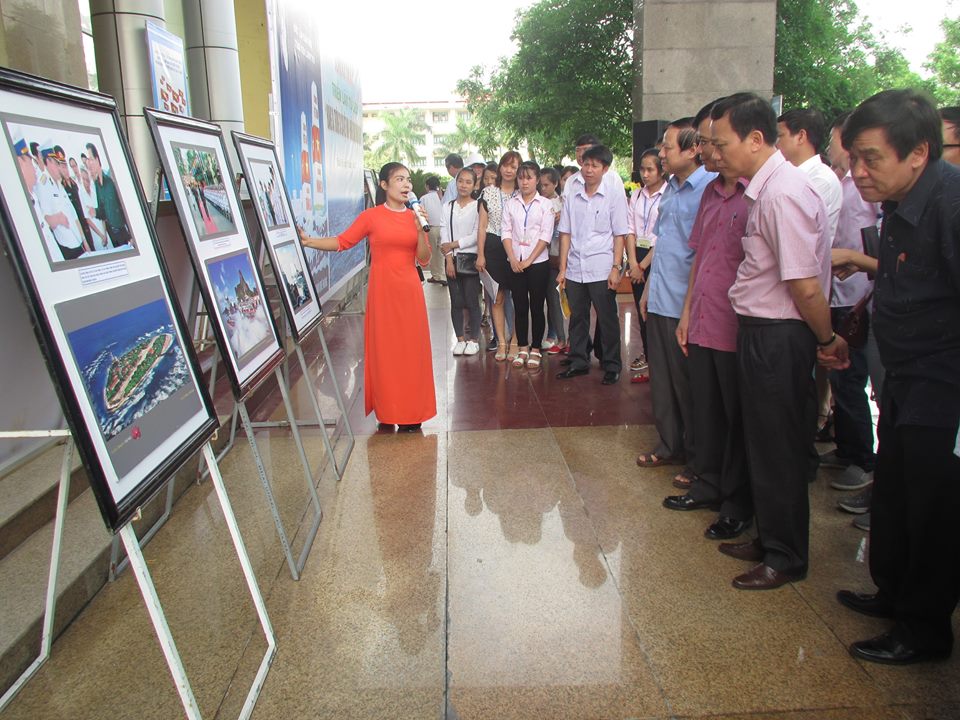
[(833, 336), (618, 268)]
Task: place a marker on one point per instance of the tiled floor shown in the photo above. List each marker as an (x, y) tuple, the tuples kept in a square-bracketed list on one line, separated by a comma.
[(510, 562)]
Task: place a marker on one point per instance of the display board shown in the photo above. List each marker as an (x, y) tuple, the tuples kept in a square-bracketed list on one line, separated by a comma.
[(318, 118), (168, 70), (86, 256), (194, 160), (264, 178)]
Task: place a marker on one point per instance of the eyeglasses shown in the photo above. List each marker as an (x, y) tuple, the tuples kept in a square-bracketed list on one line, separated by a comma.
[(946, 145)]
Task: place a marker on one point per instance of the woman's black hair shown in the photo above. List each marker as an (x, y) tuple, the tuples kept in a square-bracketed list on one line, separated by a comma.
[(384, 176), (529, 166), (508, 156), (655, 154), (550, 172)]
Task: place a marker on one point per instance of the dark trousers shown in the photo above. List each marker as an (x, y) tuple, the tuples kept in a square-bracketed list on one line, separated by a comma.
[(465, 293), (853, 425), (721, 464), (914, 545), (529, 289), (604, 301), (778, 395), (670, 390), (637, 293), (555, 326)]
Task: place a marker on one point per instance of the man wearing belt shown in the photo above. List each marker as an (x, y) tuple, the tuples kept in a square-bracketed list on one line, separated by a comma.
[(780, 297), (894, 140)]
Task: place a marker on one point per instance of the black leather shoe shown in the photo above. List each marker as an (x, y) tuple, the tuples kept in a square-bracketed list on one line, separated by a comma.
[(409, 428), (386, 427), (865, 603), (610, 378), (572, 372), (726, 528), (764, 577), (686, 502), (751, 550), (566, 361), (887, 650)]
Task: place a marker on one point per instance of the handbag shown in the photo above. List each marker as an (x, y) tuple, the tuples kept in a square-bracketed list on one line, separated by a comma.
[(465, 263), (853, 328)]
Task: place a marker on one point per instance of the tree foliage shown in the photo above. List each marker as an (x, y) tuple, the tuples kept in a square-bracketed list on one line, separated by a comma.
[(402, 131), (944, 63), (572, 73)]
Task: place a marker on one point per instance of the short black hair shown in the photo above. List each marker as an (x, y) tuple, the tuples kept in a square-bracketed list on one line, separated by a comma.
[(453, 160), (907, 117), (586, 139), (529, 166), (600, 153), (748, 112), (952, 116), (809, 119), (432, 182), (704, 113)]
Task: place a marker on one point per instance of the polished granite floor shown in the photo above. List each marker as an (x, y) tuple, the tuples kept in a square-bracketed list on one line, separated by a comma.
[(509, 562)]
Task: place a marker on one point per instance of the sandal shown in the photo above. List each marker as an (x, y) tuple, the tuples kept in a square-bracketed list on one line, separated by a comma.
[(684, 479), (501, 353), (651, 460), (521, 359), (534, 361)]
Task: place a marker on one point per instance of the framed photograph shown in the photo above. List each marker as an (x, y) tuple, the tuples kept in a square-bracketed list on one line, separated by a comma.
[(86, 255), (261, 171), (194, 160)]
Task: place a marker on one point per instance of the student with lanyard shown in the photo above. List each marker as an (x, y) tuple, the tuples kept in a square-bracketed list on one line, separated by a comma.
[(641, 219), (527, 232)]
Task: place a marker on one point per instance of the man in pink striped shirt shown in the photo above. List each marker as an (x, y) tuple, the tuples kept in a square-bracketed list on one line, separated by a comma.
[(780, 297)]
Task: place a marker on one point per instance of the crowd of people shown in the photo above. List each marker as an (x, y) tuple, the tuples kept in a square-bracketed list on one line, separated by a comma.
[(775, 261)]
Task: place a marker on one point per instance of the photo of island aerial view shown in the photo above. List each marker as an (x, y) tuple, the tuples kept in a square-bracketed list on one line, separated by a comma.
[(130, 363), (240, 304), (207, 199), (294, 277)]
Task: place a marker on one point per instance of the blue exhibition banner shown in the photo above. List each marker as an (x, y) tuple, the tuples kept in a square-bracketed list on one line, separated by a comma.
[(168, 70), (319, 140)]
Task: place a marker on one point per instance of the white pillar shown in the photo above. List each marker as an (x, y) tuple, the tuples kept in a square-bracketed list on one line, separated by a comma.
[(123, 70)]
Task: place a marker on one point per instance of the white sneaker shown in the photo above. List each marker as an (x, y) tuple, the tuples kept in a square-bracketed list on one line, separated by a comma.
[(459, 347), (472, 347)]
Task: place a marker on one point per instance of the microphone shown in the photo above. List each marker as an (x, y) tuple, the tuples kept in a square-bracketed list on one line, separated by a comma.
[(413, 202)]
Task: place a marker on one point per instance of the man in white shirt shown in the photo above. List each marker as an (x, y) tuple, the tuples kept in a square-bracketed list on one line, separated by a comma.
[(800, 135), (434, 208), (454, 164)]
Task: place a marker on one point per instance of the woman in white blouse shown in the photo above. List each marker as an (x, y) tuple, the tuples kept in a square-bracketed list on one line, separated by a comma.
[(458, 243)]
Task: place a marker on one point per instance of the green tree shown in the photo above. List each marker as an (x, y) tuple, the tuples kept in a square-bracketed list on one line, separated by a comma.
[(944, 63), (572, 73), (403, 130)]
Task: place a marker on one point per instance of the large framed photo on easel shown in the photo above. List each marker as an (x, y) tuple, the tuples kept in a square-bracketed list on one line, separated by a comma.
[(264, 178), (194, 160), (75, 224)]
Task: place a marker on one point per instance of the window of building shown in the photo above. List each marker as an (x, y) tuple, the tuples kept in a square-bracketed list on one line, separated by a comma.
[(441, 117), (421, 162), (439, 139), (89, 56)]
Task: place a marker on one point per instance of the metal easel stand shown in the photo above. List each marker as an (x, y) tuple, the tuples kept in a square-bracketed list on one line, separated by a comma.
[(296, 566), (154, 608), (340, 467), (63, 495)]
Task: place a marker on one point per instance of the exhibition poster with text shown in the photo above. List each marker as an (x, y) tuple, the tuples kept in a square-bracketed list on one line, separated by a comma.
[(319, 140)]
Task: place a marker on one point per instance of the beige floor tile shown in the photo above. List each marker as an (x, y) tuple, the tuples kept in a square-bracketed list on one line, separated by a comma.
[(536, 624)]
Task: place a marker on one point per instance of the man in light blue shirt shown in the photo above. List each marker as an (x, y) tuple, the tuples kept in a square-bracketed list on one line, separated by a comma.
[(454, 165), (592, 229), (663, 297)]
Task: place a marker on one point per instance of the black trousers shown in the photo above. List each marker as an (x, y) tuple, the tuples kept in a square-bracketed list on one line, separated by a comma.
[(465, 294), (670, 391), (529, 290), (637, 294), (721, 461), (604, 301), (778, 394), (914, 545), (853, 425)]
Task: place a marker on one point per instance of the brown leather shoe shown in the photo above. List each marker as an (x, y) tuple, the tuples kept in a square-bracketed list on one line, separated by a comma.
[(764, 577), (751, 550)]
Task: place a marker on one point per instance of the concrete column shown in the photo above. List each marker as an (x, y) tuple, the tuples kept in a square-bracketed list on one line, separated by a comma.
[(692, 51), (43, 37), (211, 41), (123, 70)]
